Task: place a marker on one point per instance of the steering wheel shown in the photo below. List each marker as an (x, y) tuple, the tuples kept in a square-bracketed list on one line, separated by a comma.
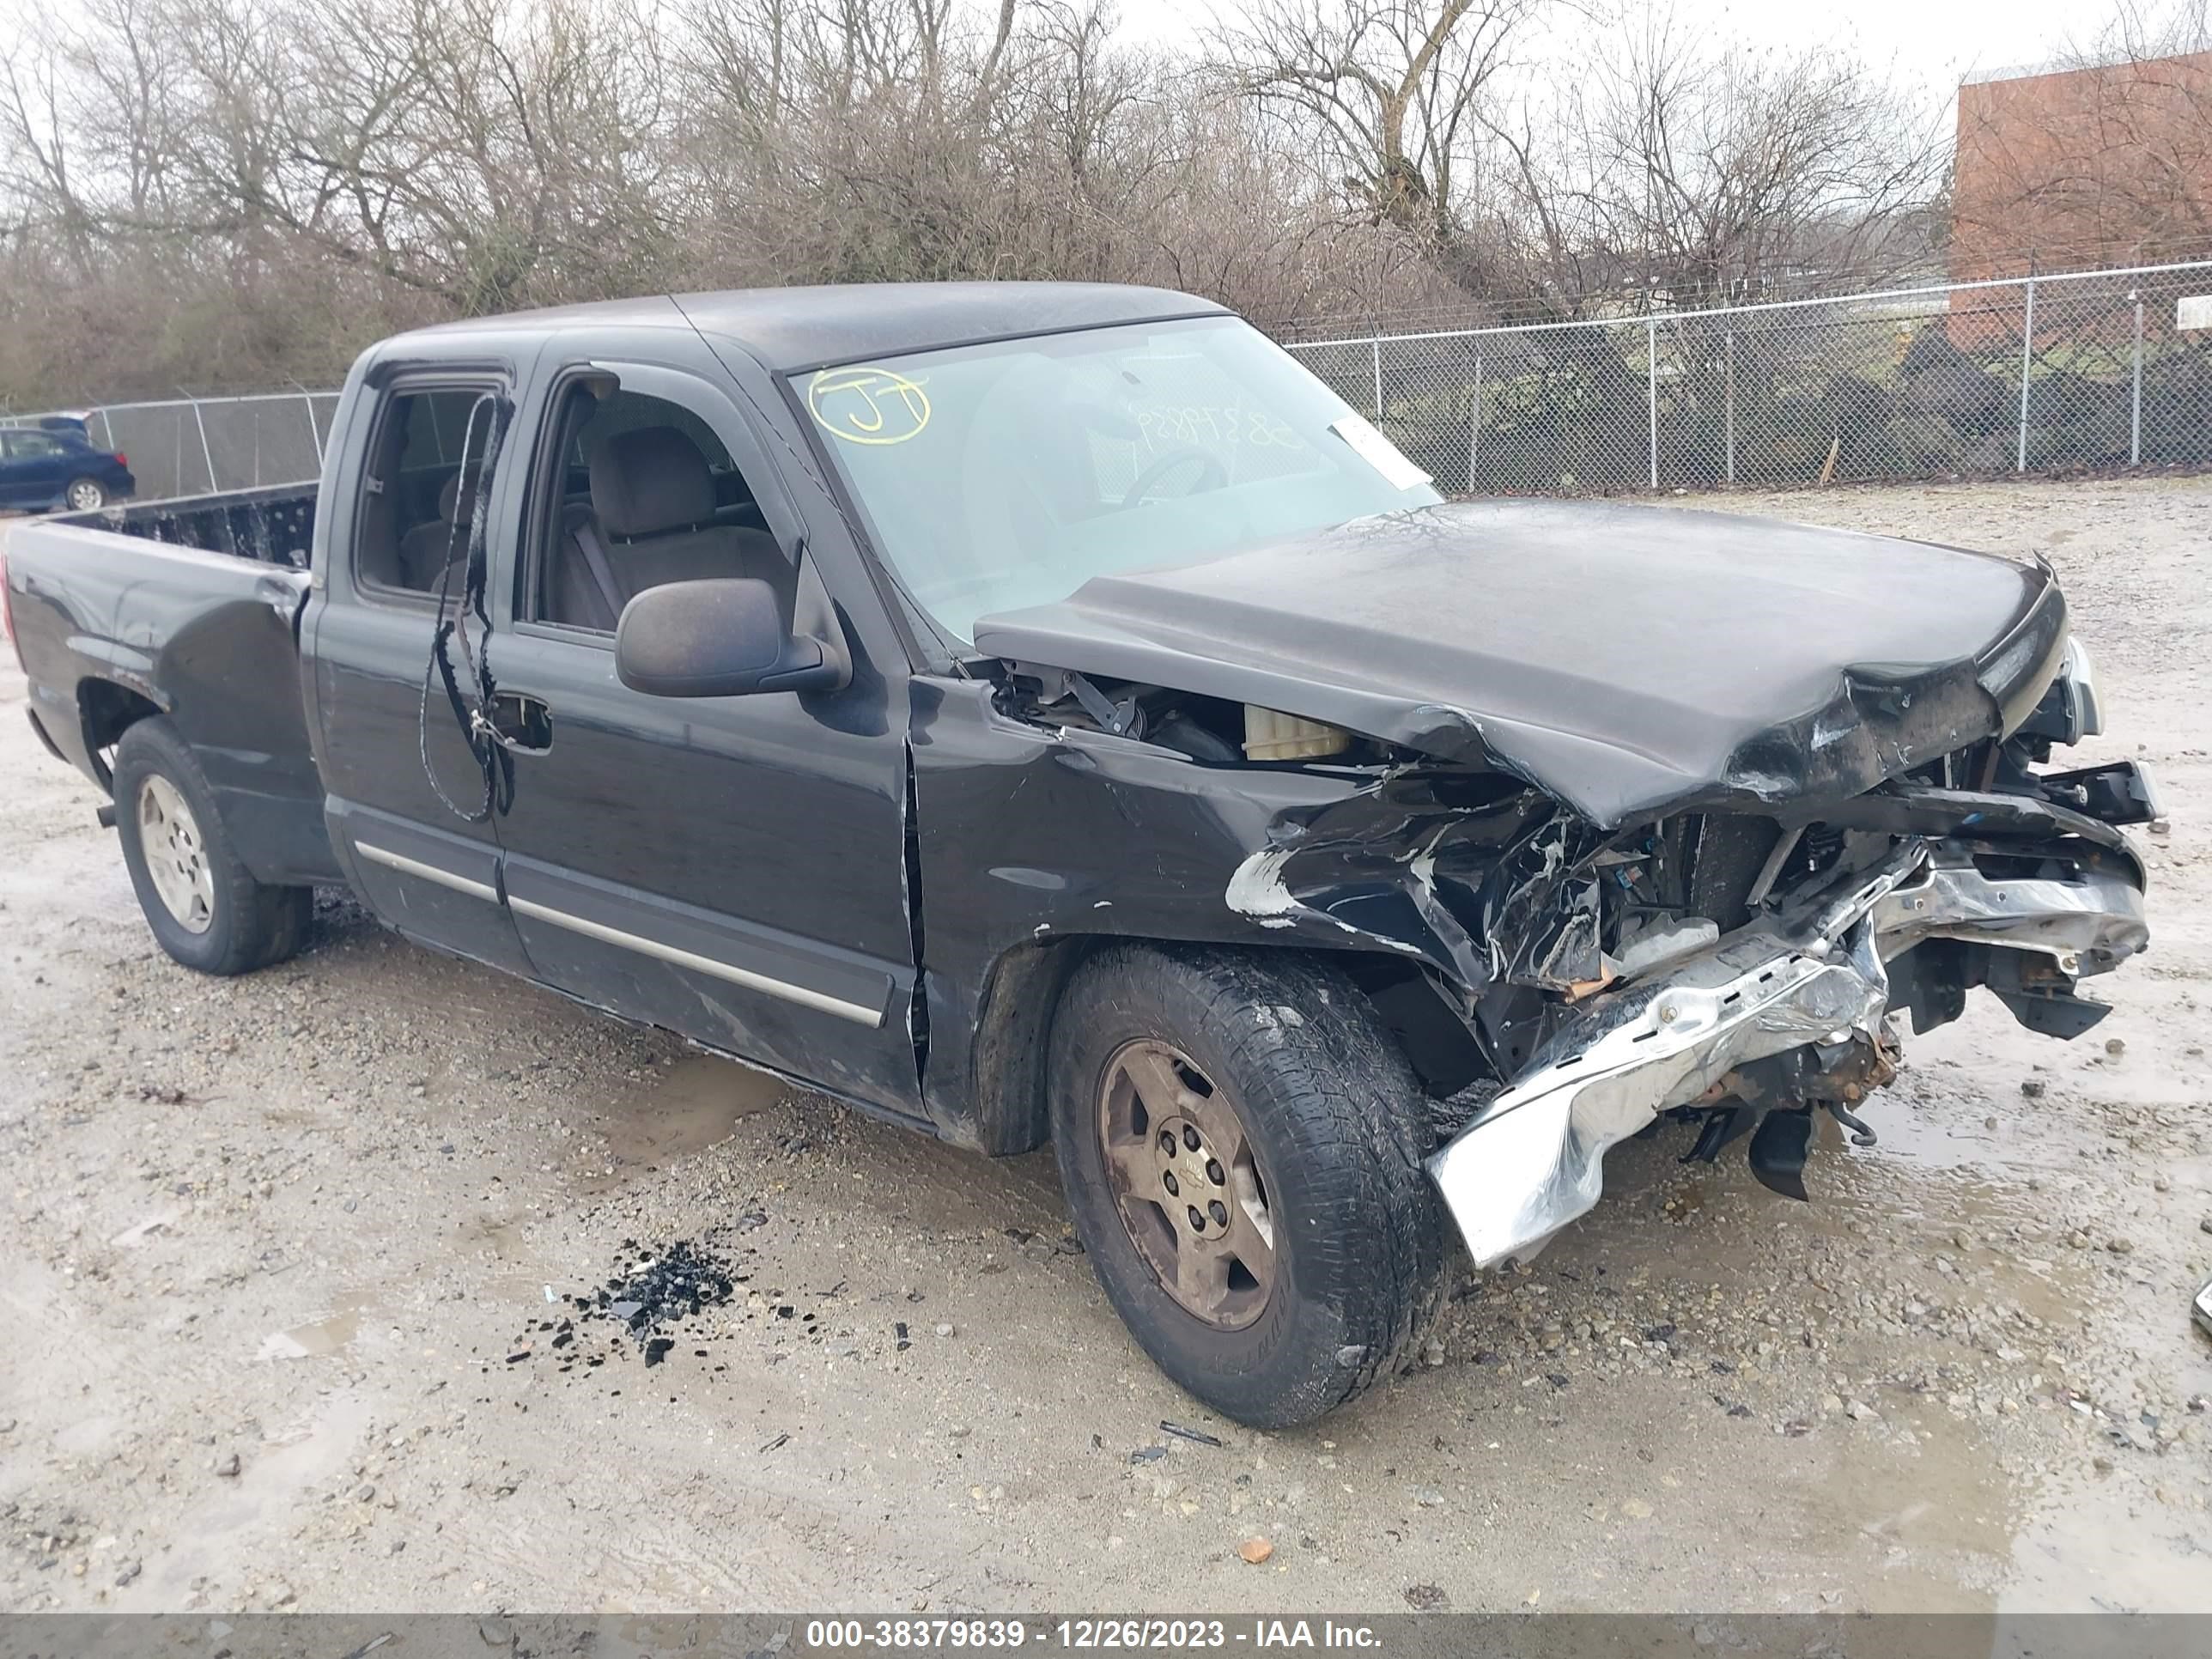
[(1212, 474)]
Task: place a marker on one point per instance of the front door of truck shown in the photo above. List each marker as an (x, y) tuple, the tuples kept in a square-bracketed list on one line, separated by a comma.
[(404, 797), (730, 867)]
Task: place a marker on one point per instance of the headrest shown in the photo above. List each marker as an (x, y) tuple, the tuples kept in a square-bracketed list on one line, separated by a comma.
[(649, 480), (455, 504)]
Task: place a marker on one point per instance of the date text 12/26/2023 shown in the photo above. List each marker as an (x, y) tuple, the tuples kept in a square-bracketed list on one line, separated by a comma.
[(911, 1634)]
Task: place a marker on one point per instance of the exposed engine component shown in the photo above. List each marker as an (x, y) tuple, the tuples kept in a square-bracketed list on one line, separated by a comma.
[(1269, 736)]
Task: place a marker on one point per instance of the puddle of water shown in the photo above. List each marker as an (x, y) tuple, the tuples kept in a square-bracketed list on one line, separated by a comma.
[(687, 1107), (314, 1339), (2095, 1546)]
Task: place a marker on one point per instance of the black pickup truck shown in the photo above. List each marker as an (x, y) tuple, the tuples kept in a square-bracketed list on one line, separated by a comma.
[(1046, 712)]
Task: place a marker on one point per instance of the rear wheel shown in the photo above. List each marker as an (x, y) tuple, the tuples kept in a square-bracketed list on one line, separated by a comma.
[(85, 494), (1242, 1142), (205, 907)]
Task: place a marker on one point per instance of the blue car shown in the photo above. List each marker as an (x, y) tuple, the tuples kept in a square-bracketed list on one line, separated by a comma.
[(49, 468)]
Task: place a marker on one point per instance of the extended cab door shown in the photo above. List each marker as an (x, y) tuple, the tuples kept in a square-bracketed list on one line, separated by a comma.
[(731, 867), (405, 800)]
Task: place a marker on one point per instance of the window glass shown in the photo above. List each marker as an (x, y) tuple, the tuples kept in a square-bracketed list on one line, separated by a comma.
[(425, 463), (24, 445), (1004, 475), (648, 493)]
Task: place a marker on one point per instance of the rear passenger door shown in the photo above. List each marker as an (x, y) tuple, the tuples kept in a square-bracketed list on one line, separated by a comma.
[(404, 798), (731, 868)]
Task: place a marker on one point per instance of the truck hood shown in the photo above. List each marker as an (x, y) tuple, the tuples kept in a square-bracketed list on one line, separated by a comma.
[(1629, 660)]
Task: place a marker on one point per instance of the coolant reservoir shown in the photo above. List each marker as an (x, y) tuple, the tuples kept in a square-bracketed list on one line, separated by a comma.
[(1270, 736)]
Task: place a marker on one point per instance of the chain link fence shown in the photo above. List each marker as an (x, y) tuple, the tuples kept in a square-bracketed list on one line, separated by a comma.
[(2046, 374), (197, 445), (2082, 372)]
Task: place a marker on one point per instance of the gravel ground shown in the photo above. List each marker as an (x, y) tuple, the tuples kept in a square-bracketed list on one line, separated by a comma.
[(306, 1269)]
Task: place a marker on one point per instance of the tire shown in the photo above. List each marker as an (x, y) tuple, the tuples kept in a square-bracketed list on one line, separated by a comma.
[(1347, 1230), (84, 495), (205, 907)]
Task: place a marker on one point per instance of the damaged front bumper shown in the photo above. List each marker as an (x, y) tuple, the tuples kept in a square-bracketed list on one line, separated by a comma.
[(1531, 1160)]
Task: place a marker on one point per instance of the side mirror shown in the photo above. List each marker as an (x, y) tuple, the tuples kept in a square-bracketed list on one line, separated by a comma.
[(720, 638)]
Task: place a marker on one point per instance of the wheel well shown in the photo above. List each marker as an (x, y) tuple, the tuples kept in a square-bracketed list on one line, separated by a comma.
[(108, 710), (1008, 1054)]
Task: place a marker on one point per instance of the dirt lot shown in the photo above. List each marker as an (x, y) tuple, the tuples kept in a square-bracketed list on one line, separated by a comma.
[(280, 1249)]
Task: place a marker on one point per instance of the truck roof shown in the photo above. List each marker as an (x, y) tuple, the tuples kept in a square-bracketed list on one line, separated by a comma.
[(801, 328)]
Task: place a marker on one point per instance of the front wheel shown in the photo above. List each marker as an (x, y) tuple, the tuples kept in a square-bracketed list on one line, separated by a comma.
[(205, 907), (83, 494), (1241, 1141)]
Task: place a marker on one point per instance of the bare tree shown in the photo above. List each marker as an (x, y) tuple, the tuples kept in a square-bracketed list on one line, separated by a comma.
[(1390, 89), (1705, 173)]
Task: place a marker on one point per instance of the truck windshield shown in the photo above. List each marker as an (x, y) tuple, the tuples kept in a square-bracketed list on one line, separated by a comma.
[(999, 476)]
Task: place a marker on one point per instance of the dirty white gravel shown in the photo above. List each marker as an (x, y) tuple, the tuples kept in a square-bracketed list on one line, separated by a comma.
[(278, 1252)]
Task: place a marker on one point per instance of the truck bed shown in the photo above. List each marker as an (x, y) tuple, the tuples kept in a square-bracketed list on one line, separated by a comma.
[(274, 525), (187, 610)]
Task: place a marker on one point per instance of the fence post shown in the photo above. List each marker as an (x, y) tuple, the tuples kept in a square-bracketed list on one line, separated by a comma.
[(206, 454), (108, 426), (314, 426), (1652, 390), (2135, 398), (1474, 422), (1377, 348), (1727, 420), (2027, 354)]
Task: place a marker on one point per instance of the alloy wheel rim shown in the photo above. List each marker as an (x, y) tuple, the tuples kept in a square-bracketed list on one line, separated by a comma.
[(176, 857), (1187, 1183), (84, 496)]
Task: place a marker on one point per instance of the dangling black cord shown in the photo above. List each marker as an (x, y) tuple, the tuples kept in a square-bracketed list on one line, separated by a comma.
[(491, 757)]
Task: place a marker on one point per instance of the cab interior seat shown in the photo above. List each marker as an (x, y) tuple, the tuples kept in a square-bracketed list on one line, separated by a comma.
[(652, 518)]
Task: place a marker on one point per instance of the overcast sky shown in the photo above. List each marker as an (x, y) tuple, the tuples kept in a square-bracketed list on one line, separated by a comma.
[(1936, 41)]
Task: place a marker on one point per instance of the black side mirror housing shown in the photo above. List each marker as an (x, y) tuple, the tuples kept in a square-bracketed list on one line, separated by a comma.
[(724, 637)]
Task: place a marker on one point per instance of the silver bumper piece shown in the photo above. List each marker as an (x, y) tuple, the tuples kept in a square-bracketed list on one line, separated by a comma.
[(1532, 1160), (2089, 925)]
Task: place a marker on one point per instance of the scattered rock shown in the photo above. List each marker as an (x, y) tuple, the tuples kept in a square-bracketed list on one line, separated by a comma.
[(225, 1466), (1636, 1509), (2032, 1087), (1427, 1598), (1254, 1551), (125, 1573), (2115, 1046)]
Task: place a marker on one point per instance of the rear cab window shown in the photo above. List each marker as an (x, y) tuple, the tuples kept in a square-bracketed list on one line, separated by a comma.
[(424, 473)]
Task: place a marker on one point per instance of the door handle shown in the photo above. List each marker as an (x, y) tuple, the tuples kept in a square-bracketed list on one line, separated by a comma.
[(521, 725)]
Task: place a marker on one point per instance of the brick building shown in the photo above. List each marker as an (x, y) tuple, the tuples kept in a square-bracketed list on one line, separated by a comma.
[(2103, 164)]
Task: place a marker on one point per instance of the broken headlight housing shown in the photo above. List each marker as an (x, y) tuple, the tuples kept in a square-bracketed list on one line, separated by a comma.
[(2072, 708)]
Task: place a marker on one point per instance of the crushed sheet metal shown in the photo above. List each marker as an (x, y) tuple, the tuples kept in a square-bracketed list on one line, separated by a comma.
[(1533, 1161), (2090, 924)]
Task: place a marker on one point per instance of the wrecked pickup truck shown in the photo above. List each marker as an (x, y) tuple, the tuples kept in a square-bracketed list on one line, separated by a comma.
[(1049, 713)]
